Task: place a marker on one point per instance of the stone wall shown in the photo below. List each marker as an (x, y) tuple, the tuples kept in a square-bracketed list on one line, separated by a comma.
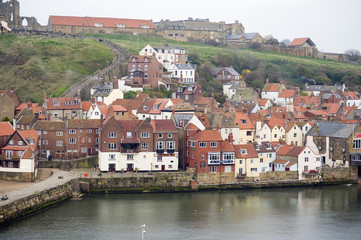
[(18, 176), (216, 178), (33, 203), (157, 182), (271, 176), (339, 174), (89, 162), (118, 67)]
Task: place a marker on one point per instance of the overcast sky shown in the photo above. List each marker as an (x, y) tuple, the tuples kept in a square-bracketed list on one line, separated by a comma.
[(333, 25)]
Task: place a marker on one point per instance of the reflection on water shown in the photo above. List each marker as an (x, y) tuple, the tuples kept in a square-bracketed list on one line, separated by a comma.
[(303, 213)]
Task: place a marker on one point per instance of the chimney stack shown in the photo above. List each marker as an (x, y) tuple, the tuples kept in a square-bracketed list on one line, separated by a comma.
[(115, 83), (230, 138), (29, 104)]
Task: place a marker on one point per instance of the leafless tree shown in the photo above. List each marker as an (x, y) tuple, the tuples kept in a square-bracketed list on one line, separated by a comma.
[(353, 54)]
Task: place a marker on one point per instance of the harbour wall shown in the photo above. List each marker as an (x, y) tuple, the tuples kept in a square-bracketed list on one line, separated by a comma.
[(33, 203)]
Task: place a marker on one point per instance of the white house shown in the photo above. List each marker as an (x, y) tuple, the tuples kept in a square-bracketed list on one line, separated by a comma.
[(184, 72), (166, 55), (263, 132)]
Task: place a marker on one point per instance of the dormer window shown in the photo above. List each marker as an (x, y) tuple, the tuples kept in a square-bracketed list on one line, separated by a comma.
[(145, 108), (11, 143), (243, 151), (20, 143), (98, 24), (56, 103), (68, 103), (129, 134), (144, 26), (120, 25), (76, 101), (244, 121)]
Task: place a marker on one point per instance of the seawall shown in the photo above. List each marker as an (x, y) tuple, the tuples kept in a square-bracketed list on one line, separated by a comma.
[(35, 202)]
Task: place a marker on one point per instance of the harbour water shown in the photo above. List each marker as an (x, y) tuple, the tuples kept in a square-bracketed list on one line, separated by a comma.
[(332, 212)]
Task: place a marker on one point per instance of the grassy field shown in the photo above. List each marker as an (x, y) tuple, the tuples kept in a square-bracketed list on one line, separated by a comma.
[(133, 44), (35, 64)]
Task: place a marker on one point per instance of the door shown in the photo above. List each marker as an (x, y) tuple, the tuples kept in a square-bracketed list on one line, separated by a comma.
[(111, 168), (163, 168), (89, 151), (130, 167), (323, 160), (273, 167)]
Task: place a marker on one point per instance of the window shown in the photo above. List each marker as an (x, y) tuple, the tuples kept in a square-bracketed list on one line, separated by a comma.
[(240, 161), (243, 121), (83, 150), (170, 135), (275, 136), (160, 135), (252, 160), (111, 156), (112, 146), (90, 140), (243, 151), (72, 140), (228, 169), (9, 154), (89, 130), (193, 144), (214, 157), (305, 169), (68, 103), (213, 169), (228, 157), (253, 169), (357, 144), (202, 144), (72, 131), (21, 153), (56, 103), (59, 133), (171, 145), (159, 158), (249, 133), (317, 159), (59, 143), (129, 156), (145, 67), (295, 135), (144, 135), (98, 24), (261, 160), (213, 144), (112, 134), (20, 143), (120, 25), (144, 146), (203, 164), (97, 140), (129, 134), (160, 145), (306, 159), (11, 142)]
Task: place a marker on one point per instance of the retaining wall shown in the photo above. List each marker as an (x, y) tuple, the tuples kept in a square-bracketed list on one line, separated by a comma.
[(89, 162), (35, 202), (18, 176)]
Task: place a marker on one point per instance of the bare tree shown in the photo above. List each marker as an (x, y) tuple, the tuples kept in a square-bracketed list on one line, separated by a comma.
[(286, 41), (353, 54)]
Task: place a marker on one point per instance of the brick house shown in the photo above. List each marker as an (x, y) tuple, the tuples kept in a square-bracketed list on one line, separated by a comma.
[(19, 156), (68, 139), (144, 145), (209, 153), (189, 94), (225, 74), (57, 109), (145, 71), (6, 130)]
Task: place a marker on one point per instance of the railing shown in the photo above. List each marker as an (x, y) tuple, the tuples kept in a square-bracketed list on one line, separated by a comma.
[(170, 150), (160, 150), (214, 161)]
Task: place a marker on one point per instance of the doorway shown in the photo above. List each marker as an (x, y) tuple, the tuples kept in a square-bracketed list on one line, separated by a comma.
[(130, 167), (111, 168), (163, 168)]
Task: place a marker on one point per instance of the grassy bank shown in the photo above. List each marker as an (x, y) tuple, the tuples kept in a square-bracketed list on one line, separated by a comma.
[(35, 64)]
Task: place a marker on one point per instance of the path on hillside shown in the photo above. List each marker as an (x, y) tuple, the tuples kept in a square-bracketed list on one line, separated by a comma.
[(116, 68)]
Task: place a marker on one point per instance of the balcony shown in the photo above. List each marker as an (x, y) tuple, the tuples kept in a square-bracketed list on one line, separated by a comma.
[(170, 150), (13, 158), (160, 151), (129, 148), (210, 162), (228, 161)]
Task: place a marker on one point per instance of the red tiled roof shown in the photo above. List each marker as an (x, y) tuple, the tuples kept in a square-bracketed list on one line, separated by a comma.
[(227, 147), (25, 105), (283, 150), (132, 104), (287, 93), (106, 22), (28, 154), (279, 161), (191, 126), (6, 129), (247, 125), (251, 151), (262, 102), (295, 151), (207, 136), (203, 101), (62, 103), (118, 108), (271, 87), (298, 42), (86, 105), (31, 133), (163, 126)]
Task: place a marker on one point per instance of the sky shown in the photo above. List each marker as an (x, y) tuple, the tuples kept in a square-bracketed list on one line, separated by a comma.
[(333, 25)]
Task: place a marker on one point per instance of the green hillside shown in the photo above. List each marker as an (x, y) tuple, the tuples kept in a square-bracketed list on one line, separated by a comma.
[(263, 64), (35, 64)]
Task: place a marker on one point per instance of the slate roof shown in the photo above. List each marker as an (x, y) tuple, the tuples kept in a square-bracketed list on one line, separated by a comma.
[(221, 120), (319, 88), (333, 129), (184, 66), (107, 22), (215, 71)]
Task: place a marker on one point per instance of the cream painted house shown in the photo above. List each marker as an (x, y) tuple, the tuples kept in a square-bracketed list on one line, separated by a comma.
[(278, 133), (263, 132), (246, 129), (266, 155), (294, 135), (247, 162)]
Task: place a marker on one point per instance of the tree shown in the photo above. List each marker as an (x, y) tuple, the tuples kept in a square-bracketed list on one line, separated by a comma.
[(353, 54), (286, 41), (269, 39), (130, 95)]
